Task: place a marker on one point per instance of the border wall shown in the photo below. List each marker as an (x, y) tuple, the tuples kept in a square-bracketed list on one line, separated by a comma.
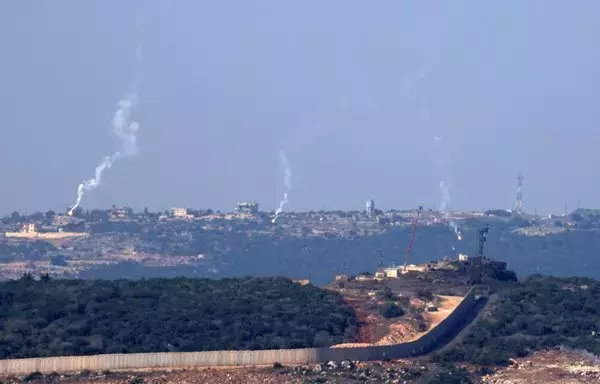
[(423, 345)]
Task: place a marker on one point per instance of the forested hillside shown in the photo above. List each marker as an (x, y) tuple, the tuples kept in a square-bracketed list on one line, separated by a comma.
[(76, 317), (538, 313)]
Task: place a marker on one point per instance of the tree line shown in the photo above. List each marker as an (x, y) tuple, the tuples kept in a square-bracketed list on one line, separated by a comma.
[(80, 317)]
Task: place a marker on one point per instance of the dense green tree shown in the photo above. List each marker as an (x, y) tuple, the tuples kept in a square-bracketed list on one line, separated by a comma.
[(15, 217), (76, 317), (539, 312), (50, 215), (390, 310)]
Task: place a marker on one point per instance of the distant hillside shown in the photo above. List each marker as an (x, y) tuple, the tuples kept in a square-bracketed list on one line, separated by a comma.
[(76, 317), (538, 313), (344, 242), (568, 253)]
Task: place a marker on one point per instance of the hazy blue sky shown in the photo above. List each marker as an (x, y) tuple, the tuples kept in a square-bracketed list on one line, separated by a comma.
[(355, 91)]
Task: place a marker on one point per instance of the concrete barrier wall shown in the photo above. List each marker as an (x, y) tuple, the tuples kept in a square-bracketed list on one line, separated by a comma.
[(421, 346), (158, 360), (239, 358)]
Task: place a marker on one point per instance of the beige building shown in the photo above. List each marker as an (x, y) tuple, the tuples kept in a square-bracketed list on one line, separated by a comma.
[(30, 231), (392, 272), (179, 212)]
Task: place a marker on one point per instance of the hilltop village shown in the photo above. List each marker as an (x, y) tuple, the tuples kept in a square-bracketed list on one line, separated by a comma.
[(378, 290), (212, 243)]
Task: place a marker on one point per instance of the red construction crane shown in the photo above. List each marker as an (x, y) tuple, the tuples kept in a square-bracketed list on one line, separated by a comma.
[(412, 236)]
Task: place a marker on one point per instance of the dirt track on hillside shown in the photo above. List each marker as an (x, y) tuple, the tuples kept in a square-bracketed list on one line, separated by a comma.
[(396, 331)]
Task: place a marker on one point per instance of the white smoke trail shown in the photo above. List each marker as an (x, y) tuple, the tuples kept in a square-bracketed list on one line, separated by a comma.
[(125, 128), (287, 182), (445, 188), (445, 196), (443, 208)]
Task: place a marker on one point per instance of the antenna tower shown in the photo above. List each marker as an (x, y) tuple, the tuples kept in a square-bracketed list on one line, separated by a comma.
[(412, 236), (519, 202), (481, 238)]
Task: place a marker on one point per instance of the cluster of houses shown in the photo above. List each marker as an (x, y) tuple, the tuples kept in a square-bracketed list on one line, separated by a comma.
[(391, 272)]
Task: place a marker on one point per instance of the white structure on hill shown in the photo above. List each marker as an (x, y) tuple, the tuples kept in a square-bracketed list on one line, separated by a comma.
[(370, 208)]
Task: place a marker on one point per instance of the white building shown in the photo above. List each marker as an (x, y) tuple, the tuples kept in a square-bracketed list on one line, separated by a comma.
[(246, 208), (370, 208)]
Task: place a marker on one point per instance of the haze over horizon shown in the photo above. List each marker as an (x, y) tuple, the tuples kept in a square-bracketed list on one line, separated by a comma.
[(354, 92)]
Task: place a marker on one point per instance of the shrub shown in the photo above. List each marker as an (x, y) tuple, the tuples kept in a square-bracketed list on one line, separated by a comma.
[(540, 312), (390, 310), (424, 294)]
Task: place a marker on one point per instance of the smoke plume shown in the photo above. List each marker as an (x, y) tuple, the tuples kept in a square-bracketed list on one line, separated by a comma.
[(125, 127), (287, 182), (445, 187), (443, 208)]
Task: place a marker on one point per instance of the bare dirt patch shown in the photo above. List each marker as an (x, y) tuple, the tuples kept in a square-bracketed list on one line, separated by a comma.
[(213, 376), (377, 330), (549, 367)]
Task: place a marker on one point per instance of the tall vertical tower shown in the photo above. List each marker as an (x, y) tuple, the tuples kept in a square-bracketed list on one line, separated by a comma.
[(370, 208), (519, 202)]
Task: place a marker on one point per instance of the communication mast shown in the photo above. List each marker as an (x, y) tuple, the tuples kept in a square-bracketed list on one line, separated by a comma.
[(481, 238), (476, 270), (380, 254), (519, 202), (412, 237)]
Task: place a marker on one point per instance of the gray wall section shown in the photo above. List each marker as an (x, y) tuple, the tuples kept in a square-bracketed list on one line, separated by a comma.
[(239, 358)]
